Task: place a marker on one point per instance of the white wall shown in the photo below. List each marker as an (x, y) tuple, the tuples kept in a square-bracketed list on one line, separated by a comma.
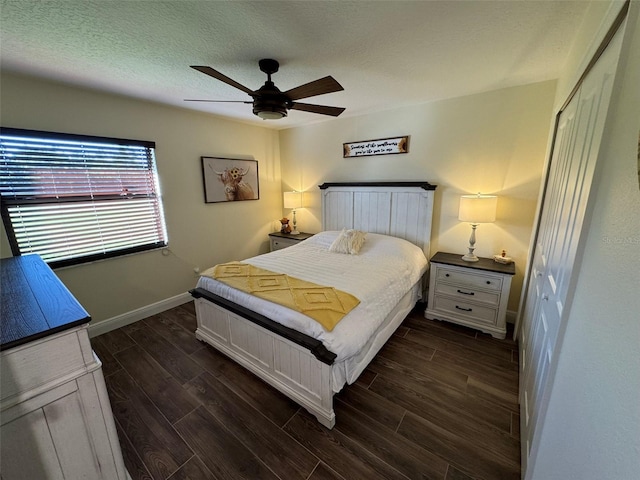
[(200, 235), (592, 427), (493, 142)]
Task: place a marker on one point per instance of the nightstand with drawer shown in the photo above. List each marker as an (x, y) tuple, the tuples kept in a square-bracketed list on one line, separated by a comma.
[(278, 241), (474, 294)]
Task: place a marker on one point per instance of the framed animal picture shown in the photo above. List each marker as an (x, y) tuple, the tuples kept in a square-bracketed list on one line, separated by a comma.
[(229, 180)]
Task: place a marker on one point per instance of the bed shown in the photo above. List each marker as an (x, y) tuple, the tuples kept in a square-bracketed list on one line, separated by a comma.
[(291, 351)]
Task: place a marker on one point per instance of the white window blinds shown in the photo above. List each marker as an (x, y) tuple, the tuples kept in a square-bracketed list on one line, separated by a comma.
[(74, 199)]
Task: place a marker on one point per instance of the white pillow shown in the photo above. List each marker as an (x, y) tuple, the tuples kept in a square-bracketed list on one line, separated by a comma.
[(349, 241)]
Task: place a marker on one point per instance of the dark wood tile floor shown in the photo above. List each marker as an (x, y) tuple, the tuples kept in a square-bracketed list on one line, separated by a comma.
[(438, 402)]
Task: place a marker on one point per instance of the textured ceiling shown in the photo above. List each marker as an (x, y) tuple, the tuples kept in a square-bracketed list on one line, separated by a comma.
[(384, 53)]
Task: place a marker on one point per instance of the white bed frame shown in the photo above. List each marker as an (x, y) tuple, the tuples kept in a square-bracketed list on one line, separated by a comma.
[(297, 365)]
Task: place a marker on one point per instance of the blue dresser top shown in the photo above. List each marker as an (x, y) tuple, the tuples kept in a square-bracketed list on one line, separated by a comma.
[(35, 303)]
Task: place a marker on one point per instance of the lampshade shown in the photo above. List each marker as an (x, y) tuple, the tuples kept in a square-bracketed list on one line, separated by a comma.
[(478, 208), (293, 200)]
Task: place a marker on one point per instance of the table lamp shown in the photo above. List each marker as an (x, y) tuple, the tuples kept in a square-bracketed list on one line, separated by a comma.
[(293, 200), (476, 209)]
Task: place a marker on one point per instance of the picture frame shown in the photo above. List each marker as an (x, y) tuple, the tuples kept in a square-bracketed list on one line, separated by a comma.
[(380, 146), (229, 179)]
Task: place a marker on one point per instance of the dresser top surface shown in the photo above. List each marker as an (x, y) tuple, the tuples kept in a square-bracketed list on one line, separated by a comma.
[(35, 303), (300, 236), (486, 264)]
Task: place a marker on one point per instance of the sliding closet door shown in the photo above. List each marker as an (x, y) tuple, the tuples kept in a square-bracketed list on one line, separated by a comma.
[(576, 147)]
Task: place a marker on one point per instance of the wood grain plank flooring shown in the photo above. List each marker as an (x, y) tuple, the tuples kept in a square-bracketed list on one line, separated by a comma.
[(219, 449), (438, 402), (155, 441), (282, 454)]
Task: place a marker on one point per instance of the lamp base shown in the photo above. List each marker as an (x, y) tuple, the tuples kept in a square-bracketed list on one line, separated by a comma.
[(295, 228), (470, 257)]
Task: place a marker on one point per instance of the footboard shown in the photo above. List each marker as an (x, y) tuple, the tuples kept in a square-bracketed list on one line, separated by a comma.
[(292, 369)]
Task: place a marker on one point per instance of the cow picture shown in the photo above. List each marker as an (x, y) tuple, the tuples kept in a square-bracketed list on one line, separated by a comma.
[(229, 180)]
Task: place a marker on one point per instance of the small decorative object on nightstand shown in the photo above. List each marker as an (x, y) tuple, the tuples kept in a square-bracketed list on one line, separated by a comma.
[(472, 294), (278, 241), (285, 228)]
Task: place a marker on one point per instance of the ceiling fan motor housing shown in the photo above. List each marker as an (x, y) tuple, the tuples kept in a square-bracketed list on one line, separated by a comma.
[(270, 103)]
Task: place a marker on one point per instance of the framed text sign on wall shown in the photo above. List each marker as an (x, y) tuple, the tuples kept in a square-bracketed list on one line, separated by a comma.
[(382, 146)]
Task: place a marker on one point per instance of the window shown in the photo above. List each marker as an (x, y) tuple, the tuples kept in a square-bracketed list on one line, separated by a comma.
[(74, 199)]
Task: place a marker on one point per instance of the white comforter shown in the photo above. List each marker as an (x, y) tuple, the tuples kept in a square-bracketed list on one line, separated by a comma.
[(379, 276)]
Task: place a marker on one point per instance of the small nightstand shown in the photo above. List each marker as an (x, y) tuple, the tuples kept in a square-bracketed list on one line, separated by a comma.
[(474, 294), (278, 241)]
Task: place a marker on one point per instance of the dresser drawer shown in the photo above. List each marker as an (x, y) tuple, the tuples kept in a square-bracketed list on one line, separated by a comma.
[(465, 294), (470, 279), (471, 311), (31, 367), (280, 243)]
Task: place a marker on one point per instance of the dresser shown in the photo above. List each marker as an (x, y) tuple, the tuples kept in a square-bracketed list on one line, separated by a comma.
[(56, 419), (474, 294), (278, 241)]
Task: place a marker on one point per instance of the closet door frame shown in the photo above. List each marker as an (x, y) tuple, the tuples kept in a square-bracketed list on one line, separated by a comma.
[(535, 350)]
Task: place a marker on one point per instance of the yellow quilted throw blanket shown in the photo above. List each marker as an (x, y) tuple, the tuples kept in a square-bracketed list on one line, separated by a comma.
[(325, 305)]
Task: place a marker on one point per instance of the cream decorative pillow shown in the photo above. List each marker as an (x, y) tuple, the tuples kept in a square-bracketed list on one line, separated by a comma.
[(349, 241), (357, 240), (340, 244)]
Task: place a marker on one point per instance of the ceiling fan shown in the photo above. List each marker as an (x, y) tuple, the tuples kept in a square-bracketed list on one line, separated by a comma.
[(269, 103)]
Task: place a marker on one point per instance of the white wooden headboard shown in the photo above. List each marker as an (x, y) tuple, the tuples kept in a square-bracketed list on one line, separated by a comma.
[(400, 209)]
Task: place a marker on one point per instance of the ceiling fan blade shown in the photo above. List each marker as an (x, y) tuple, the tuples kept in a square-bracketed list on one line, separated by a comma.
[(321, 109), (215, 101), (223, 78), (317, 87)]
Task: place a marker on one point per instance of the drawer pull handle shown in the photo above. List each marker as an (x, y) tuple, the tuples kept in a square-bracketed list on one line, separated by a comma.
[(464, 309), (488, 282), (465, 293), (446, 274)]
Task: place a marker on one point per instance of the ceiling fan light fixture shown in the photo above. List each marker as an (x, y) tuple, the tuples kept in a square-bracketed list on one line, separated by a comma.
[(270, 108), (270, 115)]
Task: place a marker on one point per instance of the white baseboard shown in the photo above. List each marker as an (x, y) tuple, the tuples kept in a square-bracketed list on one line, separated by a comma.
[(511, 316), (118, 321)]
